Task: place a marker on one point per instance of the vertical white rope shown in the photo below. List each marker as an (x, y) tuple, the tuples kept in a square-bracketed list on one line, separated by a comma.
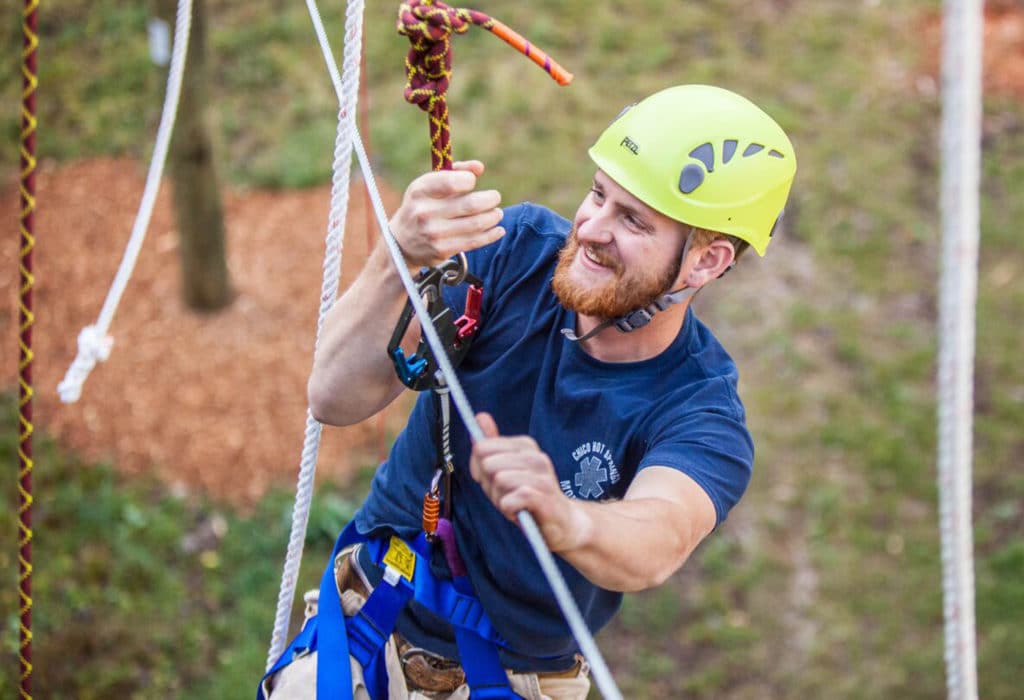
[(93, 342), (961, 142), (348, 93)]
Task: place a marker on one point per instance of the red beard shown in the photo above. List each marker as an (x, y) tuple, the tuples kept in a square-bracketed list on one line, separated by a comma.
[(629, 290)]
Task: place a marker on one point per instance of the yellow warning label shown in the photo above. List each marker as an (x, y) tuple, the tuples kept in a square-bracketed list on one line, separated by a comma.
[(401, 558)]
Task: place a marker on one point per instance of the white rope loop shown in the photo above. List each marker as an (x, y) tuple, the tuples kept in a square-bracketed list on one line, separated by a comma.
[(70, 388), (961, 142), (348, 90)]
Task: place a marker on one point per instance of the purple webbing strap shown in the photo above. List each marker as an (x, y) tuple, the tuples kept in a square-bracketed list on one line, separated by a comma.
[(446, 533)]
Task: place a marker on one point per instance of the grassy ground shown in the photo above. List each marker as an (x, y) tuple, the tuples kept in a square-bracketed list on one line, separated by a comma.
[(826, 581)]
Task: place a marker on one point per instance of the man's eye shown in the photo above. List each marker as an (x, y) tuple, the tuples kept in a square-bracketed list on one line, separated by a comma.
[(597, 194)]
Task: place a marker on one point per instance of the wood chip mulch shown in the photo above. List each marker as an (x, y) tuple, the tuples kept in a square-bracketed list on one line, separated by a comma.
[(208, 402)]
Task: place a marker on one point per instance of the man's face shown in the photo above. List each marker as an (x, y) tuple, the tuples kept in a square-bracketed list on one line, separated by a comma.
[(620, 255)]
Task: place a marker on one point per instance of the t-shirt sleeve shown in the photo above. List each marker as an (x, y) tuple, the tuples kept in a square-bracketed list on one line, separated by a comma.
[(711, 445), (511, 257)]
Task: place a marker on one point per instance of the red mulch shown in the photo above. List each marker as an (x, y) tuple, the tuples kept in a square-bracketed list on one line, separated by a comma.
[(213, 402)]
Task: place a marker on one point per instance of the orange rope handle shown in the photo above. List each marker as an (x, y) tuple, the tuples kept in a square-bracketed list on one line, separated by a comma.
[(27, 188), (534, 53)]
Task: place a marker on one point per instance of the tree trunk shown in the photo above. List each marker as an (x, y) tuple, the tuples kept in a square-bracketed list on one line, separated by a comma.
[(206, 285)]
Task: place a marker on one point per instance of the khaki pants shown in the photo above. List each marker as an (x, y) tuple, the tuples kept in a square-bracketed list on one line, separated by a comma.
[(297, 680)]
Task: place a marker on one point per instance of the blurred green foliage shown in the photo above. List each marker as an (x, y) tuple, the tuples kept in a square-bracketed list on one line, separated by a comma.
[(826, 581)]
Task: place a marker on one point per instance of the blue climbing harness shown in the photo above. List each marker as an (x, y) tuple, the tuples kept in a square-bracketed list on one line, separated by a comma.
[(407, 576), (406, 565)]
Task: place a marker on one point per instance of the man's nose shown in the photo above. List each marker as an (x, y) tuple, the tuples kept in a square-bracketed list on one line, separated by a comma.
[(597, 230)]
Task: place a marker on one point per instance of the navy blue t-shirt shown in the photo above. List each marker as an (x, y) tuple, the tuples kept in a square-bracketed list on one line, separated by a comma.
[(599, 422)]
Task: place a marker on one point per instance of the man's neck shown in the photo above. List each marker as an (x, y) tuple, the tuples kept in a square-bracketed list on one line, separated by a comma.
[(612, 345)]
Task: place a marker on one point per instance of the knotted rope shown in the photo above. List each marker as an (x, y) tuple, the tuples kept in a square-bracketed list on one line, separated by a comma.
[(94, 344), (428, 65)]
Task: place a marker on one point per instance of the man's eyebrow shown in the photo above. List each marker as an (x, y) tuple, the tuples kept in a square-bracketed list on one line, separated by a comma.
[(638, 214)]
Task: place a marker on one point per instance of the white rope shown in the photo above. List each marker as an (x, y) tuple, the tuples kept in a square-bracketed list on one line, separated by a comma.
[(93, 342), (602, 676), (348, 90), (961, 141)]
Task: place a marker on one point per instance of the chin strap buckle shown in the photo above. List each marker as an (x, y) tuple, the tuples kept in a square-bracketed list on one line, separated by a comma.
[(637, 318)]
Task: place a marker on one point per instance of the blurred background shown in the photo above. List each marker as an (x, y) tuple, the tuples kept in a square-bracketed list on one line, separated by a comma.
[(163, 497)]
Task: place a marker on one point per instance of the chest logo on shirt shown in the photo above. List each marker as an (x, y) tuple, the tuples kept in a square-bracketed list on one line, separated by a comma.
[(595, 468)]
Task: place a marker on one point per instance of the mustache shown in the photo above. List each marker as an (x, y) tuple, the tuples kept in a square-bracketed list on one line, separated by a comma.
[(601, 255), (598, 252)]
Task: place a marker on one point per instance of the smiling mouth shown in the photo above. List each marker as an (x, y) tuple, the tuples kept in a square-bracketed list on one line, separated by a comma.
[(598, 259)]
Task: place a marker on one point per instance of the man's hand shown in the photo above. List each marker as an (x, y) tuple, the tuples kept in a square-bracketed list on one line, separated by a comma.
[(442, 213), (516, 475)]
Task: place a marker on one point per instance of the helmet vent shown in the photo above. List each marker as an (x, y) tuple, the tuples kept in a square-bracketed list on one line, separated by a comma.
[(705, 153), (775, 154), (728, 149), (691, 178), (752, 149)]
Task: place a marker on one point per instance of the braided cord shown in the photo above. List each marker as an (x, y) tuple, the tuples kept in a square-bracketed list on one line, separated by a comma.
[(93, 342), (26, 319), (428, 64), (348, 83)]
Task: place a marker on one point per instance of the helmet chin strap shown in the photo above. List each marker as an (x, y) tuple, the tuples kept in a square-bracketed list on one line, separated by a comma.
[(638, 318)]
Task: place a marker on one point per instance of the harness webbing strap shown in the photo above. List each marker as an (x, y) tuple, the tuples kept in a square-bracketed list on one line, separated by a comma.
[(363, 636), (333, 673)]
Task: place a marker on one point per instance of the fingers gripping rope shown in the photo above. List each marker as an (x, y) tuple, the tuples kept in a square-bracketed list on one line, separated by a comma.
[(428, 65)]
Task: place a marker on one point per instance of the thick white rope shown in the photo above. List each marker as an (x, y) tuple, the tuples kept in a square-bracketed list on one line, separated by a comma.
[(602, 676), (348, 91), (93, 342), (961, 143)]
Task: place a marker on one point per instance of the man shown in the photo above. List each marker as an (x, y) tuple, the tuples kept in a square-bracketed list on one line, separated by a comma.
[(610, 411)]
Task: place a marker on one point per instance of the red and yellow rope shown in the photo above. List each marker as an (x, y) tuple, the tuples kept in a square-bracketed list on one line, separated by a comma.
[(30, 26), (428, 65)]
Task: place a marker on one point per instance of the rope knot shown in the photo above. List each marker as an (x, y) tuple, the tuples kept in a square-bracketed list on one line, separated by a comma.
[(428, 65), (94, 344), (93, 347)]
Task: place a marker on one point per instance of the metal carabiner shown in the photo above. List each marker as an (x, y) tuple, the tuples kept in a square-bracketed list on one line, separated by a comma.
[(454, 271)]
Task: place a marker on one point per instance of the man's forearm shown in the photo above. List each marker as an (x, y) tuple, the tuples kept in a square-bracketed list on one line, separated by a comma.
[(629, 545), (352, 376)]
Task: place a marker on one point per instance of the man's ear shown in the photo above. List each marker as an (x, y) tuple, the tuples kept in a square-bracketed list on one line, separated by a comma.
[(712, 262)]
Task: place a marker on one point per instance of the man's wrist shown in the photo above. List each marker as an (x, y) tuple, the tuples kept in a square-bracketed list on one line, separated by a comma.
[(577, 528)]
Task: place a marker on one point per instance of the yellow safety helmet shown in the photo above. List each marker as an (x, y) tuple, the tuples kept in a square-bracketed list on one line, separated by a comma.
[(704, 156)]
